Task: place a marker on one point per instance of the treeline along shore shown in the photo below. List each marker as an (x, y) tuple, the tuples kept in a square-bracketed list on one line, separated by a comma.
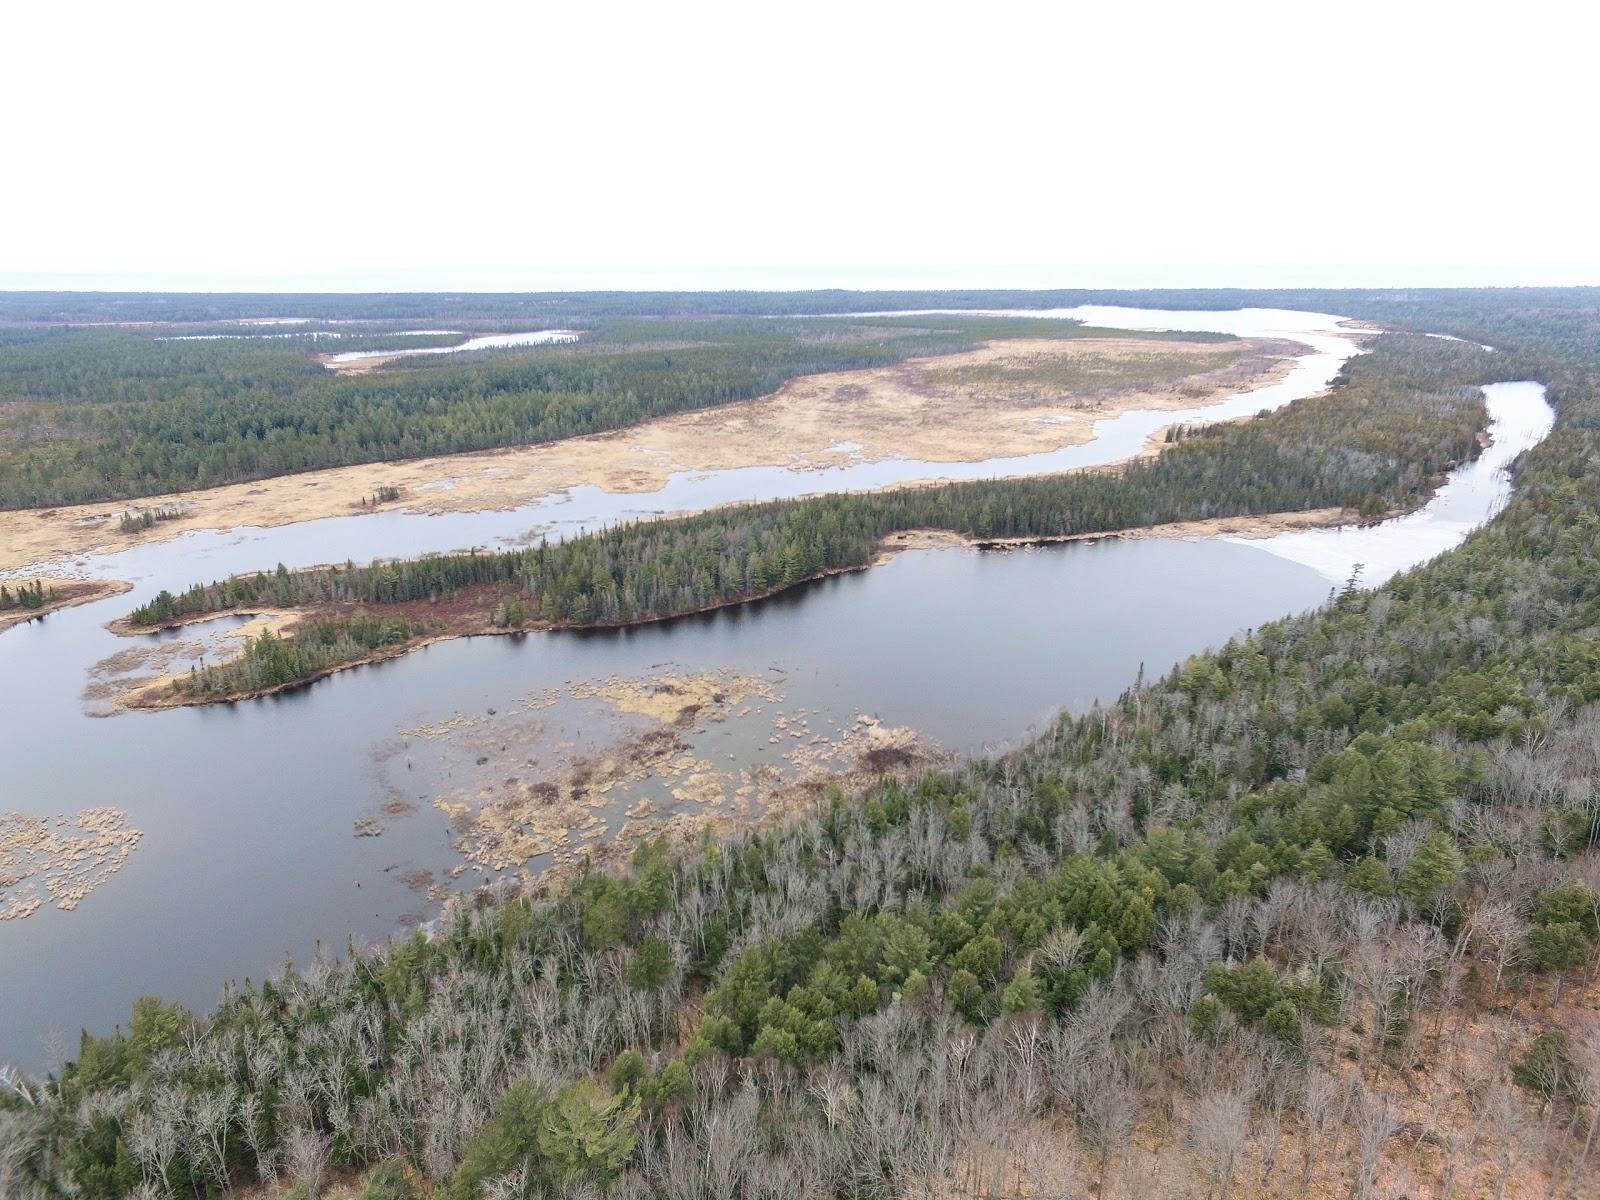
[(28, 600), (1313, 914), (1374, 444)]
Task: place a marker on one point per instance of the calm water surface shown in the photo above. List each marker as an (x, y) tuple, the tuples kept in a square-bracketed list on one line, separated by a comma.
[(247, 810), (179, 561)]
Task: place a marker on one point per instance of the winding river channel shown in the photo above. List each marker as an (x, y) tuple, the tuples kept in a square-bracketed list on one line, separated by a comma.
[(271, 825)]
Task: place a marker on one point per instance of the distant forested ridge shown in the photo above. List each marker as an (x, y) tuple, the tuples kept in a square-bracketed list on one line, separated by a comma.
[(1403, 414), (1462, 306), (110, 413)]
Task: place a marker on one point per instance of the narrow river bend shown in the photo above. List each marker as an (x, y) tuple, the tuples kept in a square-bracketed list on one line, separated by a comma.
[(250, 812)]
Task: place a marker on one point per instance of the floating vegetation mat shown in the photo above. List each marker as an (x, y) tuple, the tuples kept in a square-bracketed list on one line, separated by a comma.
[(590, 769), (60, 859)]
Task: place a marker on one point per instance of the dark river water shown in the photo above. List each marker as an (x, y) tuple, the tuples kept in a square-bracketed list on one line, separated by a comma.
[(247, 811)]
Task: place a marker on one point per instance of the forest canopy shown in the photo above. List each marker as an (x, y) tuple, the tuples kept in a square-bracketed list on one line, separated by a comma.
[(1314, 913), (1375, 443), (115, 413)]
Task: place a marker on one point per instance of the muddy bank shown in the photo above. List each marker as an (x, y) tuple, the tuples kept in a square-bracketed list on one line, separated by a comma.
[(143, 675), (1006, 398), (1258, 526), (126, 627)]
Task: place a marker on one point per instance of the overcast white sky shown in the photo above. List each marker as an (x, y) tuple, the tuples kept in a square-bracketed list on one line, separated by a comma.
[(345, 146)]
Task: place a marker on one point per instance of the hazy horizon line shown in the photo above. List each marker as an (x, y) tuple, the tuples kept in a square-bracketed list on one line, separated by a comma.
[(787, 277), (308, 289)]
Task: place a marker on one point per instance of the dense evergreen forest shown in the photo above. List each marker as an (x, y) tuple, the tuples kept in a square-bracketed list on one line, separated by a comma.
[(1402, 415), (95, 414), (1305, 916)]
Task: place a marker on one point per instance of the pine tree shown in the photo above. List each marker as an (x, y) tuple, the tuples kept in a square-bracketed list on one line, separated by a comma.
[(1021, 994), (1432, 869), (1370, 876)]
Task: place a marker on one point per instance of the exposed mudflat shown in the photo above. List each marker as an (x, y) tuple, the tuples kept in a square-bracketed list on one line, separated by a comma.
[(1006, 398), (141, 676), (1260, 526), (590, 769)]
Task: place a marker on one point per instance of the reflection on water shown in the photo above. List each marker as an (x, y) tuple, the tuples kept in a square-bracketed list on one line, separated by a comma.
[(249, 812), (1519, 418), (271, 824), (211, 554)]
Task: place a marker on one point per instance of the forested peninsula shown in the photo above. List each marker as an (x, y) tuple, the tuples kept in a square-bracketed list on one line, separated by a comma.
[(27, 600), (1373, 445)]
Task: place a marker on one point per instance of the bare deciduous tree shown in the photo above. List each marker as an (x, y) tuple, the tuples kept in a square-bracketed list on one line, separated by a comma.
[(1218, 1128), (306, 1155)]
